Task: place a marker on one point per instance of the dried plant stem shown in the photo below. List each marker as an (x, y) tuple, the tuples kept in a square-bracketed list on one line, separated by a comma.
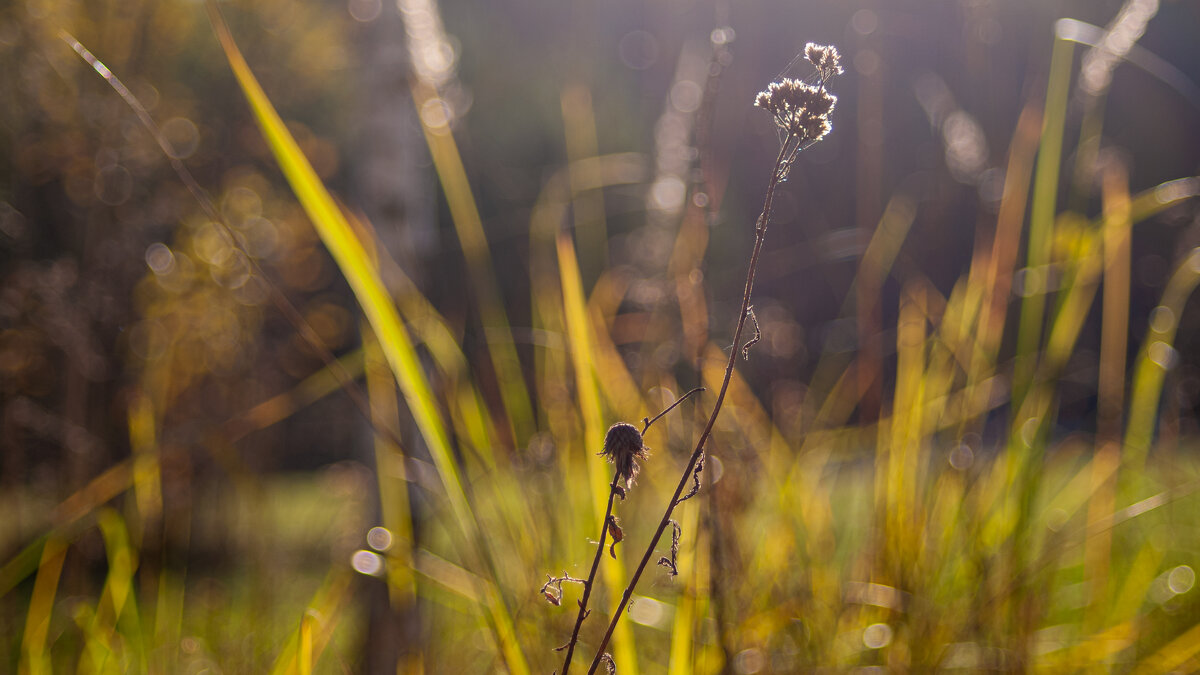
[(587, 586), (787, 153), (612, 493)]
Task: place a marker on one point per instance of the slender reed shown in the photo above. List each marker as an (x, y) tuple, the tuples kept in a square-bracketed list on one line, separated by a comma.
[(801, 110)]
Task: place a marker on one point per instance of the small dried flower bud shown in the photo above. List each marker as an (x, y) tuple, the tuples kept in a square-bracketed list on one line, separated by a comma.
[(825, 58), (622, 447)]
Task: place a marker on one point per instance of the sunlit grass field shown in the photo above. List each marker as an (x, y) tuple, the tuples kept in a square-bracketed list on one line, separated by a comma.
[(918, 505)]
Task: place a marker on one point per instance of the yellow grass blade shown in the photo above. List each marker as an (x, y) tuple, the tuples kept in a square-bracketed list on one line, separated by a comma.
[(305, 657), (1154, 358), (122, 561), (580, 330), (682, 628), (390, 474), (356, 265), (304, 647), (34, 659), (469, 226), (115, 480), (147, 479), (1174, 654), (281, 406)]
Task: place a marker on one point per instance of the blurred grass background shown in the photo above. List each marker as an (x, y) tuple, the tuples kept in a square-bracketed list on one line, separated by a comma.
[(341, 413)]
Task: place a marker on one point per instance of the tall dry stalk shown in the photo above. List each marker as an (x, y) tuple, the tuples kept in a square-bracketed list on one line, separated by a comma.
[(801, 110)]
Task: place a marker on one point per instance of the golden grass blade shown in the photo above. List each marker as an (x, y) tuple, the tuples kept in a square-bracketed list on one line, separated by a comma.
[(620, 390), (390, 474), (580, 331), (473, 421), (1175, 654), (34, 659), (1156, 199), (122, 561), (281, 406), (305, 657), (147, 478), (1114, 329), (115, 480), (1007, 240), (304, 647), (683, 627), (1135, 584), (467, 223), (879, 256), (1154, 358), (587, 205), (361, 273), (356, 265)]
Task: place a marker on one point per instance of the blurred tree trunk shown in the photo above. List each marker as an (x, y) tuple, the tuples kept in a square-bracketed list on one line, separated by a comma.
[(390, 181)]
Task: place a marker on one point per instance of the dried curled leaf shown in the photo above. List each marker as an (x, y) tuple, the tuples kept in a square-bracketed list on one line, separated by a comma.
[(610, 666), (552, 590), (614, 531), (669, 563), (619, 491), (695, 481), (757, 334)]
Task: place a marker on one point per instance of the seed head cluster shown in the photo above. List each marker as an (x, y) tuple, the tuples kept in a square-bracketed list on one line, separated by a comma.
[(623, 447), (802, 109), (825, 58)]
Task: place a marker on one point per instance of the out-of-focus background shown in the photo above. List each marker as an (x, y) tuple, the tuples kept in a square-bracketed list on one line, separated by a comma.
[(966, 441)]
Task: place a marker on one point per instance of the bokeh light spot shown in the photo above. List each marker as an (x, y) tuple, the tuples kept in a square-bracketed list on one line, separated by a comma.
[(722, 36), (686, 96), (182, 135), (379, 538), (435, 114), (365, 10), (638, 50), (962, 457), (159, 258), (1162, 319), (877, 635), (668, 193), (1181, 579), (749, 661), (648, 612), (367, 562), (113, 185), (864, 22), (1162, 354)]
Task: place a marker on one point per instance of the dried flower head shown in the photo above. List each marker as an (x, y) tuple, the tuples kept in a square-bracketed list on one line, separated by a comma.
[(623, 446), (800, 109), (825, 58)]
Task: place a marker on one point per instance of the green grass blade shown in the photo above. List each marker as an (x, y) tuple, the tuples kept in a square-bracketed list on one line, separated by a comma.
[(1041, 218)]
